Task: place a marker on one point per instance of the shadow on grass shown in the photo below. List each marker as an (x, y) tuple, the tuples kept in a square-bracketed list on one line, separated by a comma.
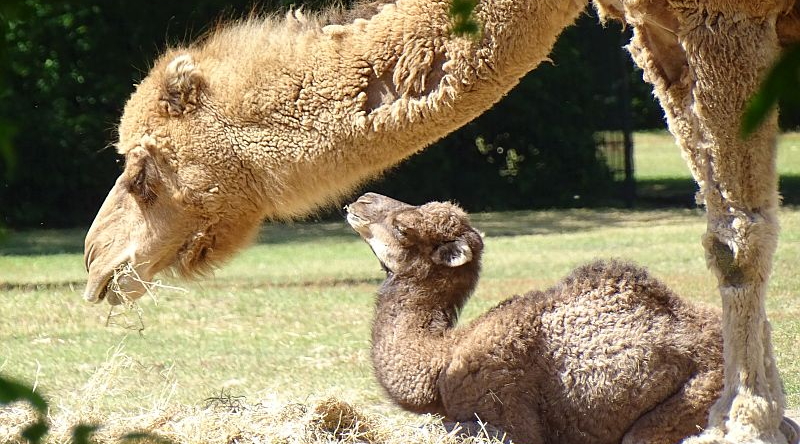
[(494, 224), (652, 194), (71, 285), (666, 193), (679, 193), (335, 229), (790, 189), (42, 242)]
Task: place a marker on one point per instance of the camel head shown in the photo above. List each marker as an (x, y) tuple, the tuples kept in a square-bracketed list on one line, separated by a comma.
[(416, 241), (178, 205)]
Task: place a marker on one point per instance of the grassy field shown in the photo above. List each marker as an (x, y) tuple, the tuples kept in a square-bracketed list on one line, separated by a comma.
[(289, 318), (663, 178)]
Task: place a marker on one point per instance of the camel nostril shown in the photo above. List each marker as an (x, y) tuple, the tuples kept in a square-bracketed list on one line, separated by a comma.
[(88, 258), (366, 198)]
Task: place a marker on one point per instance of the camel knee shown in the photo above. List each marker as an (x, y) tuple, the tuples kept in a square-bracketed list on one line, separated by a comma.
[(739, 246)]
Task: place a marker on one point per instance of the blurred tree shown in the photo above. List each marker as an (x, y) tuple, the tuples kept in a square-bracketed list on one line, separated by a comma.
[(71, 65), (10, 11), (536, 147)]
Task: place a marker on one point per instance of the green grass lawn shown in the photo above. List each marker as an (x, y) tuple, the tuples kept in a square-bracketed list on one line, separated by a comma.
[(290, 316), (663, 178)]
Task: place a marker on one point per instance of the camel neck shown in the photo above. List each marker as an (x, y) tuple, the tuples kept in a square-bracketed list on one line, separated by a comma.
[(340, 104), (410, 339)]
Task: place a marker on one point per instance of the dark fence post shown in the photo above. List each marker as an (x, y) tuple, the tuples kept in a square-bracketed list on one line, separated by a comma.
[(629, 183)]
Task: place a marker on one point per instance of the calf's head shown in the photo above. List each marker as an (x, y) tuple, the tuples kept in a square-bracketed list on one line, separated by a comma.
[(417, 242)]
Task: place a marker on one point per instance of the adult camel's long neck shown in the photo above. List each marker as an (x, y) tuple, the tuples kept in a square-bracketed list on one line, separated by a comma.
[(423, 83), (321, 109), (411, 341)]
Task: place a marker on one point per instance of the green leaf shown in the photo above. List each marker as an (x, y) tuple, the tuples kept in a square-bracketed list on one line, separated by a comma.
[(464, 24), (82, 433), (468, 28), (462, 8), (144, 437), (12, 391), (35, 432), (781, 82)]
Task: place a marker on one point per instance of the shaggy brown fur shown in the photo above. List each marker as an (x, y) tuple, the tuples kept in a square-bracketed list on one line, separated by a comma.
[(608, 355)]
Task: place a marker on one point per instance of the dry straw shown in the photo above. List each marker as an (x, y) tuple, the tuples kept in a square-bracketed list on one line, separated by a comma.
[(227, 419), (116, 290)]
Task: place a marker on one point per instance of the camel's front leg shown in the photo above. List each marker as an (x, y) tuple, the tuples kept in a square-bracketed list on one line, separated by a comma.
[(705, 65), (739, 186)]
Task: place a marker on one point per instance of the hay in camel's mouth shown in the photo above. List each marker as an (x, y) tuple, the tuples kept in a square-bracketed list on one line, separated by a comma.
[(125, 286), (110, 285), (118, 289)]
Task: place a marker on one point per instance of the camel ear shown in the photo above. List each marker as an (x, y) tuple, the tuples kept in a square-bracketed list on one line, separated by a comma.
[(183, 83), (452, 254)]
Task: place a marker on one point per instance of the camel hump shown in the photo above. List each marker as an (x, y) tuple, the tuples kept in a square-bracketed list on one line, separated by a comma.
[(183, 84), (624, 273)]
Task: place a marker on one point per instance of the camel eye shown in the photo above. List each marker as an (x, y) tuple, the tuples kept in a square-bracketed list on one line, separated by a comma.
[(144, 183), (405, 226), (400, 231)]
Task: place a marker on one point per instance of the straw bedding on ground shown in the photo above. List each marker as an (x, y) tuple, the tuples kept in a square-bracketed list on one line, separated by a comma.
[(326, 421), (231, 420)]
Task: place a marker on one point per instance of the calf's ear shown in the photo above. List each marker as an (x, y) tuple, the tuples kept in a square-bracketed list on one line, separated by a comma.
[(452, 254)]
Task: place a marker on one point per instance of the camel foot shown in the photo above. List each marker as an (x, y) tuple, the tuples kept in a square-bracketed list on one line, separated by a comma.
[(788, 433)]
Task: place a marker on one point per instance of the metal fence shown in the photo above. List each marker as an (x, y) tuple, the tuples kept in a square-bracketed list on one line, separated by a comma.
[(616, 149)]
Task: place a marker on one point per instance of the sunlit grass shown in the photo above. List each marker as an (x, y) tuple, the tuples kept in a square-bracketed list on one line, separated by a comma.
[(657, 156), (290, 316), (294, 317)]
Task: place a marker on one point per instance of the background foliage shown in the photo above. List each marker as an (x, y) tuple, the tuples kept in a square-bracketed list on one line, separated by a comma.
[(70, 66), (536, 147)]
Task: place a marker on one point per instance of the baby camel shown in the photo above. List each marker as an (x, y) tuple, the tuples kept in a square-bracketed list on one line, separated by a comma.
[(608, 355)]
